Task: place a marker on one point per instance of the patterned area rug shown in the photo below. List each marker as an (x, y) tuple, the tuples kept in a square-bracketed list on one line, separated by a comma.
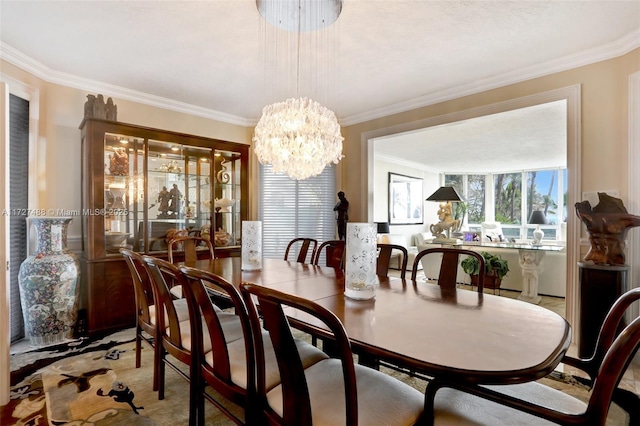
[(98, 384)]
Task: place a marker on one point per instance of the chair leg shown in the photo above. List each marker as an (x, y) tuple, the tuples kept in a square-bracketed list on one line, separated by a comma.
[(196, 407), (157, 359), (161, 368), (138, 345)]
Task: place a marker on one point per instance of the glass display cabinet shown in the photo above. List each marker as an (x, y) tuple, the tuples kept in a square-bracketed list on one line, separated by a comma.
[(141, 187)]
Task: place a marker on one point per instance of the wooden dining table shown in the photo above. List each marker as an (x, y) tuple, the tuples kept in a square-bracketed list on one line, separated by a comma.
[(456, 335)]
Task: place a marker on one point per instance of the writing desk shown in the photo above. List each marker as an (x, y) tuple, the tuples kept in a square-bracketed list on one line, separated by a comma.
[(458, 336)]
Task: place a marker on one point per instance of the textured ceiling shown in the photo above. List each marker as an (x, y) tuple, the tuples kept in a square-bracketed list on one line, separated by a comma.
[(526, 138), (219, 59)]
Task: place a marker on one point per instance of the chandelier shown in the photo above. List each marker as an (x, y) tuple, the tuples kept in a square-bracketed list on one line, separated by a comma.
[(298, 137)]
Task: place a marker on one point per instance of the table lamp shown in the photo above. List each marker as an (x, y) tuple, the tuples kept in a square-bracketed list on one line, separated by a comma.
[(382, 228), (537, 218), (445, 195)]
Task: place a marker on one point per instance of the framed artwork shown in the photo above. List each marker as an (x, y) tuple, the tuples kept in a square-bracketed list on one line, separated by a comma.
[(406, 200)]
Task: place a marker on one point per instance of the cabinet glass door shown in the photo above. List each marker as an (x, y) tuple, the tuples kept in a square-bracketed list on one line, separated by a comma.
[(123, 189), (227, 198), (179, 192)]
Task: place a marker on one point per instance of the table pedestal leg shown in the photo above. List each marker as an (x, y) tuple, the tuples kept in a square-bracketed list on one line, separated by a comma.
[(531, 265)]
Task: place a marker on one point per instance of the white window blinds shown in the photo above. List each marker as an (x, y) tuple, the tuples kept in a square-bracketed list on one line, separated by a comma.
[(289, 209)]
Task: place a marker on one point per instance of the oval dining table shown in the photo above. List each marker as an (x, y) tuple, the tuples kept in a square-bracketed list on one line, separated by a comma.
[(457, 335)]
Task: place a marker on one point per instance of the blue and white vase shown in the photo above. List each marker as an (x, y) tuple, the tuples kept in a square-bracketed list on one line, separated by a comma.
[(48, 282)]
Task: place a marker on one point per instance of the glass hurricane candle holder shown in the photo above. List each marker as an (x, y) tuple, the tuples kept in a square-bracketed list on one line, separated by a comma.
[(360, 261), (251, 245)]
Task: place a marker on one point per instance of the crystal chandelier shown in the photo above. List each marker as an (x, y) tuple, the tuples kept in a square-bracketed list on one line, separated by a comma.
[(298, 137)]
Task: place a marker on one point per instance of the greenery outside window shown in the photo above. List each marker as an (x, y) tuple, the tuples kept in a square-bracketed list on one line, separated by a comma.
[(511, 203)]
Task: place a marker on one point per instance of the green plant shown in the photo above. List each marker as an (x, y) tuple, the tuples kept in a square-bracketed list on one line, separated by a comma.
[(494, 265)]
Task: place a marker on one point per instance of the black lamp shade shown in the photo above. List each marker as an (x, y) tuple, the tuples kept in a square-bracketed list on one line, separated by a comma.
[(445, 193), (537, 218), (383, 227)]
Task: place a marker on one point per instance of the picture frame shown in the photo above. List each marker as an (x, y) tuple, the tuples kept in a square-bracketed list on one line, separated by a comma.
[(406, 200), (472, 236)]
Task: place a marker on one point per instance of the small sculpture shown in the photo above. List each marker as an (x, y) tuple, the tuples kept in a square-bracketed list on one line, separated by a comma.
[(447, 222), (223, 176), (112, 110), (342, 215), (163, 201), (95, 107), (223, 204), (607, 225), (221, 237), (119, 162), (174, 200)]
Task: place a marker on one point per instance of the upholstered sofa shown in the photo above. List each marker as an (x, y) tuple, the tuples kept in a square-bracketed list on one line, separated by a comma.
[(552, 281), (396, 257)]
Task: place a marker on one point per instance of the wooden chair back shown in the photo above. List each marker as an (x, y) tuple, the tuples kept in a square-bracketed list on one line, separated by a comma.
[(384, 259), (296, 398), (145, 321), (334, 253), (611, 326), (162, 273), (143, 291), (199, 286), (451, 258), (188, 246), (305, 244)]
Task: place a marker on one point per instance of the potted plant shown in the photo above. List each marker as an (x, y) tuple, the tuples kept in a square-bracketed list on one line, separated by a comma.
[(496, 268)]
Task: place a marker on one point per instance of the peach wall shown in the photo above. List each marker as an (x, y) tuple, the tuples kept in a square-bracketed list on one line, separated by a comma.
[(604, 130), (56, 175)]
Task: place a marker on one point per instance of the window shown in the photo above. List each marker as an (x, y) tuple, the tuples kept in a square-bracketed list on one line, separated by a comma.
[(508, 198), (511, 201), (289, 209)]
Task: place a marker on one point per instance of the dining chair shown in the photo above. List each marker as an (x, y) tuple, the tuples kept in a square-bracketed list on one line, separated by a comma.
[(305, 244), (334, 253), (534, 403), (384, 259), (331, 391), (175, 336), (612, 324), (449, 265), (146, 323), (229, 367), (187, 248)]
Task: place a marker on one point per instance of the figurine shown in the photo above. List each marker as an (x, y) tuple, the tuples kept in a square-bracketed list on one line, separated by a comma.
[(112, 110), (447, 222), (174, 200), (119, 162), (221, 237), (163, 201), (342, 215)]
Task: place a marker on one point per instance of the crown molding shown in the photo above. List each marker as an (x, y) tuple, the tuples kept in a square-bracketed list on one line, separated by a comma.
[(617, 48), (620, 47), (30, 65), (405, 163)]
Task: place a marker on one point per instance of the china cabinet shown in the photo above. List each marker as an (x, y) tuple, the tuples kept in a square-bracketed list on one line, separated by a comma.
[(140, 188)]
